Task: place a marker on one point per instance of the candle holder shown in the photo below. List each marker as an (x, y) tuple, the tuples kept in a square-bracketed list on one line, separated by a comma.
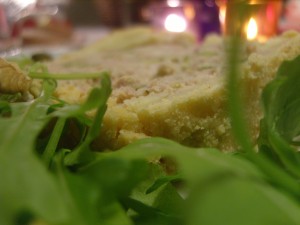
[(250, 19)]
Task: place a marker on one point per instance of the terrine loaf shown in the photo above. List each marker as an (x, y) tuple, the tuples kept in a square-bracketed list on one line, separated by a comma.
[(167, 85)]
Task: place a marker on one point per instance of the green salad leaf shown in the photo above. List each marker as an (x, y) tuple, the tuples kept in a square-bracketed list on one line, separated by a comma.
[(281, 124), (25, 182), (86, 199)]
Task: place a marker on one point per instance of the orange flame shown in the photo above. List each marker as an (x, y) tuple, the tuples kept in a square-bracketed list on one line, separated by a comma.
[(251, 29)]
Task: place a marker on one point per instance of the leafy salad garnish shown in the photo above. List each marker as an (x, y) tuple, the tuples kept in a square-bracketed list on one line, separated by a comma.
[(46, 180)]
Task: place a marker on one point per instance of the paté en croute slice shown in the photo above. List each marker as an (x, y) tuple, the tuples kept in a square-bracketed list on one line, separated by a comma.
[(167, 85)]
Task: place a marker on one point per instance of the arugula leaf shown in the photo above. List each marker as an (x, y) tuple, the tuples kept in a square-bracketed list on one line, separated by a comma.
[(235, 106), (151, 215), (97, 99), (207, 161), (86, 199), (281, 123), (116, 175), (56, 200), (63, 76), (10, 97), (51, 147), (161, 181), (162, 206), (5, 109), (205, 169), (25, 182), (240, 201)]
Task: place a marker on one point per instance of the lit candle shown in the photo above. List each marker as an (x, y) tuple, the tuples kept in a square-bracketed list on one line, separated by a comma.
[(251, 29), (172, 15), (251, 19), (175, 23), (222, 13)]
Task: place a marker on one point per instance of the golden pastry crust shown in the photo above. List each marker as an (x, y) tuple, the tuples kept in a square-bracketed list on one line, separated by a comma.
[(169, 86)]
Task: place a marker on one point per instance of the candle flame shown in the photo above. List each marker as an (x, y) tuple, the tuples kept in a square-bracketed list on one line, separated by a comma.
[(252, 29), (222, 14), (175, 23)]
